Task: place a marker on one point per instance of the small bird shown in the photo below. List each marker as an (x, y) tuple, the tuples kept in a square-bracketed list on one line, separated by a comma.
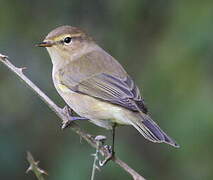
[(96, 86)]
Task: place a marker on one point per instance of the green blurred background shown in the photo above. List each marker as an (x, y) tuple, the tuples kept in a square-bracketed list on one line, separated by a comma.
[(165, 45)]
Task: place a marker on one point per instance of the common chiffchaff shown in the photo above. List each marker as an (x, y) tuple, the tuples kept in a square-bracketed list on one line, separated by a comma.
[(96, 86)]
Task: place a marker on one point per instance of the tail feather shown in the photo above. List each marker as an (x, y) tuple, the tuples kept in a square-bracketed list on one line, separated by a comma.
[(151, 131)]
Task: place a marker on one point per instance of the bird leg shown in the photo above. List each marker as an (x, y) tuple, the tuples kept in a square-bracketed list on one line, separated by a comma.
[(69, 113), (110, 149)]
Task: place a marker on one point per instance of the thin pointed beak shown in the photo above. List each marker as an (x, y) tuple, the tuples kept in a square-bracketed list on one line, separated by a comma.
[(45, 44)]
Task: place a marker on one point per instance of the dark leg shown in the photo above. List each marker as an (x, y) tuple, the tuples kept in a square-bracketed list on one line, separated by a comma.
[(69, 113), (113, 139)]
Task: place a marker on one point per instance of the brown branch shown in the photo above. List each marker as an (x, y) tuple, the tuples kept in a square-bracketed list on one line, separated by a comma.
[(34, 167), (59, 112)]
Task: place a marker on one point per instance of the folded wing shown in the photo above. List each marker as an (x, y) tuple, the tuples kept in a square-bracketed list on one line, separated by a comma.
[(109, 88)]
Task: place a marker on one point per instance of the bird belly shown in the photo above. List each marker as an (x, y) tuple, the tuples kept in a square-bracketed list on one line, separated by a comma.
[(101, 113)]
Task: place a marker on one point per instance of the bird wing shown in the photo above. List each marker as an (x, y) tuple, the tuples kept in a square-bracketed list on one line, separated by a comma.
[(110, 88)]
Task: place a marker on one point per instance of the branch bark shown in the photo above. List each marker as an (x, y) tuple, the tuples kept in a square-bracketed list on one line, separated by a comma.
[(59, 112), (35, 168)]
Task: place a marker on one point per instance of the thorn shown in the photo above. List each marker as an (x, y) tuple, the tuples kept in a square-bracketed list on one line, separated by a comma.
[(65, 124), (3, 57), (94, 155), (42, 171), (22, 68), (98, 168), (30, 168)]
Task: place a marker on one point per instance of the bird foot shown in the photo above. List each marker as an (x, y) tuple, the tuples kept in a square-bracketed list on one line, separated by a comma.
[(107, 150), (70, 118), (110, 155)]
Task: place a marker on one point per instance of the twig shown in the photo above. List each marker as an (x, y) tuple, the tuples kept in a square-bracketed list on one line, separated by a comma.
[(100, 140), (94, 166), (34, 167), (59, 112)]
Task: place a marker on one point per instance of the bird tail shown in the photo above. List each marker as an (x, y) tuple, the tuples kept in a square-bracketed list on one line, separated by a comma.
[(151, 131)]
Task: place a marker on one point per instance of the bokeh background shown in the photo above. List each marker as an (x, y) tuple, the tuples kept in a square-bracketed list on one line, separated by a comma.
[(166, 46)]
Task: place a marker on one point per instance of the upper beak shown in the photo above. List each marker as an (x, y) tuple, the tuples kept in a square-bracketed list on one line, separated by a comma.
[(45, 44)]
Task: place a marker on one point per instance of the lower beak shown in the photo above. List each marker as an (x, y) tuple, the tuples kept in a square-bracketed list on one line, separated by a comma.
[(45, 44)]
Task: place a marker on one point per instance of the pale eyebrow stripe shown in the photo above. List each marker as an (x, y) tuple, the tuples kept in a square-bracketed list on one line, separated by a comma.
[(67, 35)]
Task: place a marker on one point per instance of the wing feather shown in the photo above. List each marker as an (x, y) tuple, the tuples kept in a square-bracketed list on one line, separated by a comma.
[(112, 89)]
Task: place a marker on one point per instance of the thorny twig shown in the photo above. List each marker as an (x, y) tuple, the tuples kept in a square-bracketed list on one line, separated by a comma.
[(34, 167), (59, 112), (100, 142)]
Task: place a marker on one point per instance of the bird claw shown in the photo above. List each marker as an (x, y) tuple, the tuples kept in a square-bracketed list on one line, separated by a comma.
[(110, 155), (70, 118)]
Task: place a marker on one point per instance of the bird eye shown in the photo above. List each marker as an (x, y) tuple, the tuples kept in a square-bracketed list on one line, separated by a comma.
[(67, 40)]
